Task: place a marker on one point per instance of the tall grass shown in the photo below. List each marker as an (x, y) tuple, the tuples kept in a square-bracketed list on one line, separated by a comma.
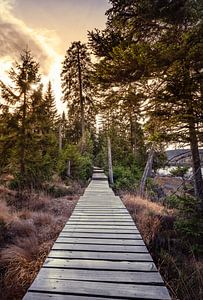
[(28, 229), (181, 270)]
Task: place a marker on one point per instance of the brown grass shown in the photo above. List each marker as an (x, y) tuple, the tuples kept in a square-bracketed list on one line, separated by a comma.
[(148, 215), (28, 228), (22, 262), (181, 271), (5, 215)]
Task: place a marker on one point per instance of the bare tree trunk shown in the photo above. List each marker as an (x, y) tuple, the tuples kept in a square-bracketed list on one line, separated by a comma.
[(69, 169), (81, 98), (147, 172), (60, 138), (196, 163), (110, 162), (23, 139)]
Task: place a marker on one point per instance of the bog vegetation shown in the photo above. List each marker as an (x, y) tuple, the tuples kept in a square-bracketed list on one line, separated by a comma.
[(143, 94)]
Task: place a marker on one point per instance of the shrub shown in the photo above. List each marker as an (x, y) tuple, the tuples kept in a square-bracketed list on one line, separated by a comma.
[(80, 165), (125, 178)]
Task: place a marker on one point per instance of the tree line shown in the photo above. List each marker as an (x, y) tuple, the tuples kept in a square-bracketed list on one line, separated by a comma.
[(146, 86)]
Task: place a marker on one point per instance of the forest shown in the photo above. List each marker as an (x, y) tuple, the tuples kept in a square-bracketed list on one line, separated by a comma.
[(132, 92)]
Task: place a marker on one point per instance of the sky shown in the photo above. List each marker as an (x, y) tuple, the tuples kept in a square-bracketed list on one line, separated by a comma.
[(47, 28)]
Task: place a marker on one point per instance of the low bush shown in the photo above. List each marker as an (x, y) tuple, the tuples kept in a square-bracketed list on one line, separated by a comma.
[(80, 164), (126, 178), (174, 239)]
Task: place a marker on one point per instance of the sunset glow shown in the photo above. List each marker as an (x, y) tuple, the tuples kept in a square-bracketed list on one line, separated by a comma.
[(47, 30)]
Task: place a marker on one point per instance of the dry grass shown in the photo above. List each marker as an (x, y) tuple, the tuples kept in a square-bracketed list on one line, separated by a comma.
[(181, 271), (148, 215), (5, 214), (22, 262), (28, 228)]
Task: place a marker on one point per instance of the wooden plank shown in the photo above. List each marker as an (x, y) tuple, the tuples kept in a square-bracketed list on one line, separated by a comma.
[(115, 209), (100, 223), (84, 216), (111, 236), (100, 248), (100, 218), (98, 214), (43, 296), (98, 241), (118, 221), (103, 276), (129, 291), (100, 230), (102, 209), (100, 265), (100, 226), (100, 255)]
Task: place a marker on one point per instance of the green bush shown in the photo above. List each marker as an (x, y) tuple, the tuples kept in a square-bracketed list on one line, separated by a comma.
[(187, 204), (124, 178), (80, 165)]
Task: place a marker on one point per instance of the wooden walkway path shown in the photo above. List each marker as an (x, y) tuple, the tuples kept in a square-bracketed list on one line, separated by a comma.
[(99, 254)]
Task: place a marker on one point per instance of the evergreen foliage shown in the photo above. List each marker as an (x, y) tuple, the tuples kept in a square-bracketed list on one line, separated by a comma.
[(156, 47), (28, 120), (78, 91)]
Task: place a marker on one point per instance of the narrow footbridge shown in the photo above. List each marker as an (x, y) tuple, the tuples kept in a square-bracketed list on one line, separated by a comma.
[(99, 254)]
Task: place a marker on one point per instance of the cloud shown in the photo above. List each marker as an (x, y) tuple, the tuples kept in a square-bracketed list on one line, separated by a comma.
[(15, 36)]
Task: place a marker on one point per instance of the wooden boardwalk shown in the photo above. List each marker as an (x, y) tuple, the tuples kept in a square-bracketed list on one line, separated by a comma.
[(99, 254)]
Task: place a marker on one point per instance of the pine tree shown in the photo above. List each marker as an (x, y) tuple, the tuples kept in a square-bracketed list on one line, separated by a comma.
[(77, 90), (24, 76), (158, 42), (27, 127)]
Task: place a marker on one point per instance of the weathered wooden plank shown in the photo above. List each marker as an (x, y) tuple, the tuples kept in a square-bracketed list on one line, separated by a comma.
[(98, 241), (115, 209), (101, 202), (100, 265), (100, 248), (43, 296), (101, 226), (114, 256), (95, 215), (103, 276), (102, 205), (100, 223), (129, 291), (100, 208), (84, 216), (100, 230), (111, 236), (100, 218)]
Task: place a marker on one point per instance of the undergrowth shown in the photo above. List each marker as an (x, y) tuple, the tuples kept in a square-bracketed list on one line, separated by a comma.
[(173, 235), (28, 228)]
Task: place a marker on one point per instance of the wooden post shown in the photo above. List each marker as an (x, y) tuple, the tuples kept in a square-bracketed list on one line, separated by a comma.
[(110, 162)]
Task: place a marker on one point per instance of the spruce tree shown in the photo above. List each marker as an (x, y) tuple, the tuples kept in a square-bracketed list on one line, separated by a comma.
[(77, 90), (27, 125), (158, 43)]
